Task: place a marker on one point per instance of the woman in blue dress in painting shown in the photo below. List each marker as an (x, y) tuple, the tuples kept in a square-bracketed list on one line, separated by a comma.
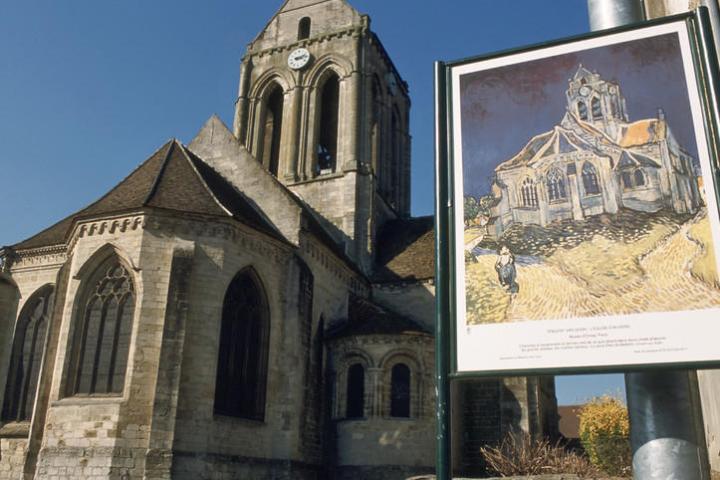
[(505, 268)]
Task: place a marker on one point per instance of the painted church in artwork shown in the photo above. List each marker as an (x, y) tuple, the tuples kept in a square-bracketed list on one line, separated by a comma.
[(595, 161)]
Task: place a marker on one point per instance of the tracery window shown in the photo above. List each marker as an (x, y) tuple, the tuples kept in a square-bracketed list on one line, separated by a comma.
[(633, 178), (101, 340), (556, 185), (27, 352), (272, 130), (355, 398), (590, 179), (596, 109), (243, 355), (400, 391), (304, 28), (528, 192), (582, 111), (328, 126)]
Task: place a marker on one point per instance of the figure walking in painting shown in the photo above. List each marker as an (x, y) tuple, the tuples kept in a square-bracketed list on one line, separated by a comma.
[(505, 268)]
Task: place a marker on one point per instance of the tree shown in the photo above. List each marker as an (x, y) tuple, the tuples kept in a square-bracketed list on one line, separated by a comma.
[(472, 208)]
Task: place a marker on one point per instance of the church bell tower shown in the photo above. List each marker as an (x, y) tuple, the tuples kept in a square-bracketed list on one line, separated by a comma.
[(323, 108)]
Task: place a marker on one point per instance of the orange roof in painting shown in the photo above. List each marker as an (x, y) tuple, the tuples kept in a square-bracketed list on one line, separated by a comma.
[(642, 132)]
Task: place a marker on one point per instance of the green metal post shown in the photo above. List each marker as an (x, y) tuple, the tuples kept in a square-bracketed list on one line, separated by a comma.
[(443, 464)]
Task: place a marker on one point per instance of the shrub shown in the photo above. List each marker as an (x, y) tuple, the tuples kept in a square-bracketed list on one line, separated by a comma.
[(520, 454), (604, 434)]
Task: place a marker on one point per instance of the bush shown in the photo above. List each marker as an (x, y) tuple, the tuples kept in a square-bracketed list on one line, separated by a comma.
[(520, 454), (604, 434)]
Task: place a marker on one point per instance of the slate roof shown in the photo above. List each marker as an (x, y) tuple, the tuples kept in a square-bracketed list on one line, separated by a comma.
[(368, 318), (406, 250), (557, 140), (174, 179)]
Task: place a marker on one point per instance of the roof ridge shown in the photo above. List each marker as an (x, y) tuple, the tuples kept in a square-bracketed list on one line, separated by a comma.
[(161, 171), (202, 180)]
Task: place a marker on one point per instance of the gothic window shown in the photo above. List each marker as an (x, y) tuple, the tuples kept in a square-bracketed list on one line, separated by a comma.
[(101, 341), (400, 391), (590, 179), (355, 398), (556, 185), (26, 357), (304, 28), (582, 111), (272, 129), (639, 178), (596, 109), (328, 126), (529, 193), (375, 141), (243, 354)]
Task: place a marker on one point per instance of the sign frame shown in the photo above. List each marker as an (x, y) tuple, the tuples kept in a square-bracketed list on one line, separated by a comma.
[(707, 74)]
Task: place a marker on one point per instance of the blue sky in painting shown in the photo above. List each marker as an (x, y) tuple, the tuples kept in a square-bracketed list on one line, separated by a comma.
[(90, 89)]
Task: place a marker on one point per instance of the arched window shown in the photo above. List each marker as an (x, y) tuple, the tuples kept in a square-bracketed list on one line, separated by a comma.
[(272, 129), (582, 111), (243, 356), (27, 351), (590, 179), (596, 109), (304, 28), (556, 185), (529, 193), (639, 178), (627, 180), (375, 140), (101, 339), (400, 391), (328, 126), (355, 399)]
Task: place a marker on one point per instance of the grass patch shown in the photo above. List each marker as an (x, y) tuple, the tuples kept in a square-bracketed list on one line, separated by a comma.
[(486, 301), (705, 267)]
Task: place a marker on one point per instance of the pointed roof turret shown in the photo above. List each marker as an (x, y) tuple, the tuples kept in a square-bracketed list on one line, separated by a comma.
[(582, 72)]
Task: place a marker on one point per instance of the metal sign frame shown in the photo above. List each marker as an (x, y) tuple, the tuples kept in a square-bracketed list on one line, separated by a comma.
[(706, 73)]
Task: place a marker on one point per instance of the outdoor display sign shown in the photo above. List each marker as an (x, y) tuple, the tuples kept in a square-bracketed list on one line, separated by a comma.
[(578, 224)]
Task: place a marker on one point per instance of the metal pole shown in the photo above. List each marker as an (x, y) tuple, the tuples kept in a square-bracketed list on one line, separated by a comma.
[(662, 427), (614, 13)]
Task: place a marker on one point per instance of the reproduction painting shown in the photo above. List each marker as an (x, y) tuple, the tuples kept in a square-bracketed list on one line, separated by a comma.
[(586, 225)]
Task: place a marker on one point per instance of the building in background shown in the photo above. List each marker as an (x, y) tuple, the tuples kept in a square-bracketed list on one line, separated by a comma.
[(255, 304)]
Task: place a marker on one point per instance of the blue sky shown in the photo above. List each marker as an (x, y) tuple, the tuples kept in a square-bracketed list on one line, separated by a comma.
[(88, 89)]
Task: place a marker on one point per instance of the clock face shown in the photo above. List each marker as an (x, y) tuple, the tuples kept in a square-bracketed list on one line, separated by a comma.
[(298, 58), (584, 91)]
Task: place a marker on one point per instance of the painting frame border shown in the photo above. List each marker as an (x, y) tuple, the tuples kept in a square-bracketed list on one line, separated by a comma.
[(706, 75)]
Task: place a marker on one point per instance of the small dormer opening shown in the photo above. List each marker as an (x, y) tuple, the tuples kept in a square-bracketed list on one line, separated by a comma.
[(304, 28)]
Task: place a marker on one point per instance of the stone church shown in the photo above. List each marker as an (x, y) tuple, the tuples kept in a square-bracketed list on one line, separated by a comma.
[(256, 304), (596, 161)]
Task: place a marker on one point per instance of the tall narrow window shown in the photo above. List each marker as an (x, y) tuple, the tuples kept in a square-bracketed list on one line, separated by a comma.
[(328, 126), (101, 341), (400, 391), (556, 185), (596, 109), (355, 407), (395, 161), (582, 111), (272, 129), (375, 141), (27, 351), (528, 192), (639, 178), (304, 28), (243, 357), (590, 179)]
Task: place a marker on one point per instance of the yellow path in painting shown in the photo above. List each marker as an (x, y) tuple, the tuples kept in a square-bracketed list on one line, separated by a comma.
[(661, 281)]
